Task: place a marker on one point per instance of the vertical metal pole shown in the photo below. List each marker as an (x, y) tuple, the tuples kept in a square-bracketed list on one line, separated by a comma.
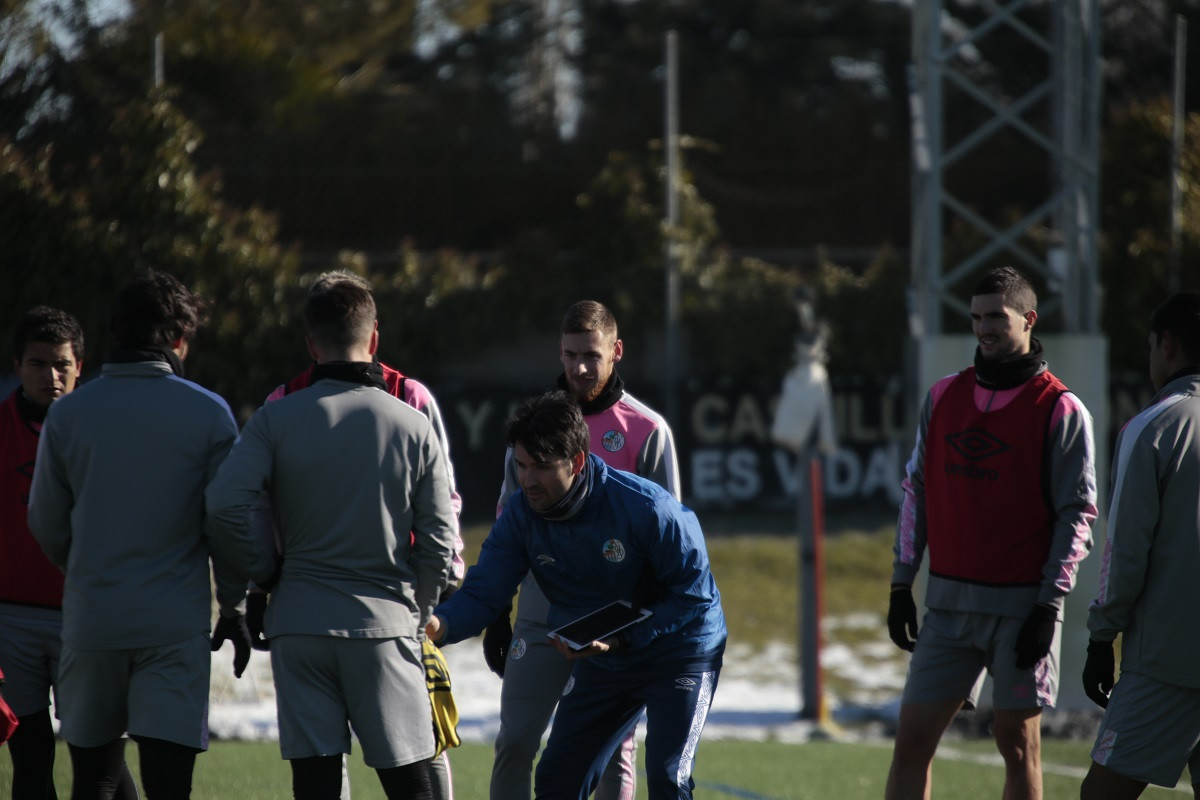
[(810, 525), (1178, 114), (159, 76), (671, 145)]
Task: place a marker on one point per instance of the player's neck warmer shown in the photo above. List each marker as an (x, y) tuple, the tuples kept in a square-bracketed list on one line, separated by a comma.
[(1007, 374), (362, 372), (570, 503), (607, 398), (134, 355), (31, 411)]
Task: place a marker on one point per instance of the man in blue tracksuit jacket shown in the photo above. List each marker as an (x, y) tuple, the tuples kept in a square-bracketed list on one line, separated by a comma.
[(591, 535)]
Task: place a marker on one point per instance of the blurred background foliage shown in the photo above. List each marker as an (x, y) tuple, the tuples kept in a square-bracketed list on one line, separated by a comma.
[(487, 162)]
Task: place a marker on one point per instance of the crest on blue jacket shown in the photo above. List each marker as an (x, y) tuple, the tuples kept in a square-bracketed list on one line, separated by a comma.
[(613, 551)]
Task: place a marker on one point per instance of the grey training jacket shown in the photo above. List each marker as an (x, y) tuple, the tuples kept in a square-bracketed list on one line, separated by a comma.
[(118, 504), (1149, 584), (350, 471)]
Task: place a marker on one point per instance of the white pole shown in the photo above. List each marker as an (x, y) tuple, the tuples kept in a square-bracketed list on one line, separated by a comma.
[(1179, 114), (158, 60), (671, 145)]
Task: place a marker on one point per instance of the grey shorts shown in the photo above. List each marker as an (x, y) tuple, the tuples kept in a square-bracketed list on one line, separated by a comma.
[(324, 685), (30, 644), (1150, 731), (956, 650), (157, 692)]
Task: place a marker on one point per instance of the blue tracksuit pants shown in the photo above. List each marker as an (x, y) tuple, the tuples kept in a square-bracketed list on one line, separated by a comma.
[(598, 709)]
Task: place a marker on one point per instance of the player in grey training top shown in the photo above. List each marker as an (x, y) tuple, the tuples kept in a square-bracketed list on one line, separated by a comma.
[(361, 499), (118, 503)]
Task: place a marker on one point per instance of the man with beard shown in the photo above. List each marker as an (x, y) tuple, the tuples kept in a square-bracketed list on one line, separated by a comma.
[(591, 536), (1001, 491), (628, 435)]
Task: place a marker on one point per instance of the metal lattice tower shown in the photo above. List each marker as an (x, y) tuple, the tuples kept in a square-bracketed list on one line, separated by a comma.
[(1052, 108)]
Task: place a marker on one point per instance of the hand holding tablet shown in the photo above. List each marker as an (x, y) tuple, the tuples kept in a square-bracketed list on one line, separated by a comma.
[(599, 625)]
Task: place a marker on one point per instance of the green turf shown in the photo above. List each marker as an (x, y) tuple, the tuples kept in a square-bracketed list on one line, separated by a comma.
[(757, 576), (745, 770)]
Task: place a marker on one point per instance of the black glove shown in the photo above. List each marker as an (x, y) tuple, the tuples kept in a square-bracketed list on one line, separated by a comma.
[(902, 617), (497, 638), (234, 629), (256, 606), (1036, 636), (1099, 672)]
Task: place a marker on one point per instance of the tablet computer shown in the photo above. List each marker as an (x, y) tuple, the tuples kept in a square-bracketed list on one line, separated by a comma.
[(600, 624)]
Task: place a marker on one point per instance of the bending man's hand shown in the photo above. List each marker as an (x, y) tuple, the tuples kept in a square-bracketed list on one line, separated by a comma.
[(1099, 672), (594, 649), (234, 630), (902, 617), (434, 629)]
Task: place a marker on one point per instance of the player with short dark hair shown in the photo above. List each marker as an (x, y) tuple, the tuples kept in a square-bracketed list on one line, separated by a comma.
[(47, 348), (417, 395), (1148, 590), (118, 504), (361, 498), (1001, 494), (626, 434), (591, 535)]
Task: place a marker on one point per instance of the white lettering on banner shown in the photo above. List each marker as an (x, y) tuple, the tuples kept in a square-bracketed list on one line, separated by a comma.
[(788, 470), (707, 429), (706, 476), (860, 417), (734, 475), (474, 422), (883, 472), (744, 481), (845, 476), (717, 420), (722, 476), (843, 473), (748, 422)]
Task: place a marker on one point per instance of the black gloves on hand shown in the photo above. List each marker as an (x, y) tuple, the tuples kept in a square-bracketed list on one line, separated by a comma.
[(902, 617), (1099, 672), (256, 606), (1036, 636), (497, 638), (234, 629)]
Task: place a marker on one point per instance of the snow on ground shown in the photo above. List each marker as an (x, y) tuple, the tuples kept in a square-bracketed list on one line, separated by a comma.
[(758, 696)]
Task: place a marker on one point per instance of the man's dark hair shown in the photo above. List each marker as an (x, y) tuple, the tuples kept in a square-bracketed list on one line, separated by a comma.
[(340, 312), (1180, 316), (155, 310), (549, 427), (1014, 287), (587, 316), (48, 325)]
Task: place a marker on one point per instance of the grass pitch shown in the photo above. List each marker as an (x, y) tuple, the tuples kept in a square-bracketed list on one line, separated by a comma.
[(724, 769), (757, 576)]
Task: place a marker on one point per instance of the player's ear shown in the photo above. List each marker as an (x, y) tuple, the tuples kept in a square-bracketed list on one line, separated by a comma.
[(618, 350), (577, 462)]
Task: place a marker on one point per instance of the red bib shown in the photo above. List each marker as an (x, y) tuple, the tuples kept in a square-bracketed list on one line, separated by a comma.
[(26, 576), (986, 514)]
